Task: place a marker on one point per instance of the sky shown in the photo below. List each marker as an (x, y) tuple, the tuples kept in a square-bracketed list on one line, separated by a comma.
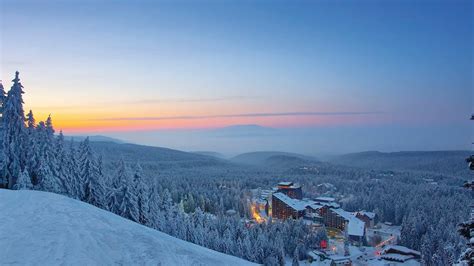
[(125, 67)]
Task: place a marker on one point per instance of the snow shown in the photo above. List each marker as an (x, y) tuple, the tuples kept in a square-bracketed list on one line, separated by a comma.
[(41, 228)]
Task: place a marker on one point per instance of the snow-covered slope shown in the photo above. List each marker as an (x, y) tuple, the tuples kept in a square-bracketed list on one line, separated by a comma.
[(39, 228)]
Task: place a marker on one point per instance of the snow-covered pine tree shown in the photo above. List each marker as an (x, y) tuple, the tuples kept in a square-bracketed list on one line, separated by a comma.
[(23, 181), (62, 171), (128, 207), (3, 97), (14, 132), (140, 189), (154, 210), (114, 198), (49, 148), (122, 175), (93, 188), (45, 175), (32, 151), (296, 258), (72, 165), (47, 179)]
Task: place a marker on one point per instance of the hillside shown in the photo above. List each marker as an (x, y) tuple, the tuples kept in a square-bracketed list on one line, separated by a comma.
[(42, 228), (148, 154), (95, 138), (441, 162), (264, 157)]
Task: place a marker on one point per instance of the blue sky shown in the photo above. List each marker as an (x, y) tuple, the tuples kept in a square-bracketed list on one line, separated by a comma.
[(100, 66)]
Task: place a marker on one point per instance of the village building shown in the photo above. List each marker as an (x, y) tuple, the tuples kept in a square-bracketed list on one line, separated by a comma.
[(290, 189), (341, 261), (401, 254), (284, 207), (342, 220), (367, 217)]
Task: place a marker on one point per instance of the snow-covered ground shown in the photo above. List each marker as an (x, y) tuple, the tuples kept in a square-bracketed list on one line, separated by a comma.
[(39, 228)]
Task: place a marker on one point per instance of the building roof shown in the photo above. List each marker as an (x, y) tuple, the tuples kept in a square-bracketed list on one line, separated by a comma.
[(314, 206), (370, 215), (293, 203), (400, 249), (356, 227), (397, 257), (325, 199), (340, 259), (285, 184)]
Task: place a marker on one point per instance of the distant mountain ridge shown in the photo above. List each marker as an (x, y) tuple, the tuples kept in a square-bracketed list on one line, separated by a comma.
[(210, 153), (148, 154), (94, 138), (445, 162), (263, 157)]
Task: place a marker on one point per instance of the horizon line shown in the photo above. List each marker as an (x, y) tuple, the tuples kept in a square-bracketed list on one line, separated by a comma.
[(276, 114)]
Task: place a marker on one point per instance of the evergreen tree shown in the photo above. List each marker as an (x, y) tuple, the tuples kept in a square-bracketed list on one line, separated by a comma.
[(296, 258), (32, 160), (47, 180), (114, 200), (128, 207), (24, 181), (154, 211), (141, 192), (47, 176), (92, 186), (73, 167), (3, 169), (14, 132), (62, 171)]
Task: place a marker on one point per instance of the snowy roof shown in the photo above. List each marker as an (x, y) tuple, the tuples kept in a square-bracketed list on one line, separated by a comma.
[(315, 206), (285, 184), (340, 259), (371, 215), (316, 254), (356, 227), (397, 257), (325, 199), (293, 203), (401, 249)]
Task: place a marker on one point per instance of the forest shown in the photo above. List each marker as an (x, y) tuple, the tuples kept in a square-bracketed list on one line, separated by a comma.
[(187, 195)]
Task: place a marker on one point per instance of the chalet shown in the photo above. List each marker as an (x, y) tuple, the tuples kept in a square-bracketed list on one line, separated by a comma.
[(340, 261), (367, 217), (401, 254)]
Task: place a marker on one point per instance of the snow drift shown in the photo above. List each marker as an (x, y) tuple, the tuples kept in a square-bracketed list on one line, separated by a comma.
[(40, 228)]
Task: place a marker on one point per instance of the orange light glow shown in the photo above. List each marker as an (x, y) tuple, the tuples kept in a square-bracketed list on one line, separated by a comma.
[(255, 214)]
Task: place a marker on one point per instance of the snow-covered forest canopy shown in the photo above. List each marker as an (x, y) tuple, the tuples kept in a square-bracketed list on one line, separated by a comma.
[(187, 195)]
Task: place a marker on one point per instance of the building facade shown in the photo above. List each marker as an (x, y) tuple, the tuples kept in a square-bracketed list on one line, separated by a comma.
[(290, 189), (284, 207)]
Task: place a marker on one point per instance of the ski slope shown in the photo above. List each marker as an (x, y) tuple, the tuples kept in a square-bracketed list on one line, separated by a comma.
[(40, 228)]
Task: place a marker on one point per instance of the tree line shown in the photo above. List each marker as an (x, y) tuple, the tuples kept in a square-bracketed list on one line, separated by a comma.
[(34, 158)]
